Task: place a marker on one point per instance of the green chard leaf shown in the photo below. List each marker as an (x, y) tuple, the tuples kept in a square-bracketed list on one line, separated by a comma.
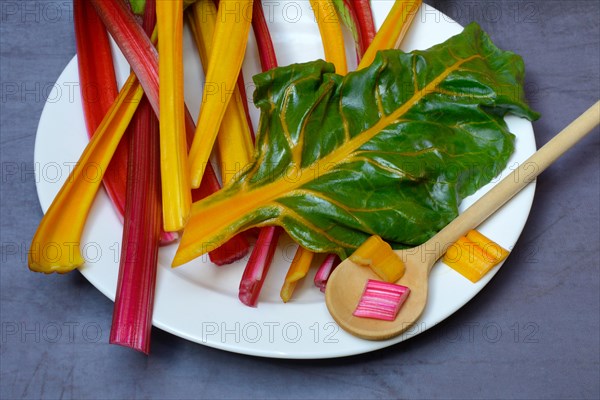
[(389, 150), (138, 6)]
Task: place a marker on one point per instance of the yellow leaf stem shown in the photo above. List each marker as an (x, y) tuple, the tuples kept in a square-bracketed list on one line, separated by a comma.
[(393, 30), (176, 190), (233, 23), (298, 270), (234, 141), (331, 34)]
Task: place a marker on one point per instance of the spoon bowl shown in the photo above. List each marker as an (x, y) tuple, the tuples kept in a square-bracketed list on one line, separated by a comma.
[(342, 295), (347, 282)]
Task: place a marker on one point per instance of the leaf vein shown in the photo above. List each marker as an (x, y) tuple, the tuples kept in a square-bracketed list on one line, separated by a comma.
[(288, 212)]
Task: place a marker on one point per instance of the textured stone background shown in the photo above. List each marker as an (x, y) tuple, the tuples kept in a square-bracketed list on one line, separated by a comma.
[(544, 301)]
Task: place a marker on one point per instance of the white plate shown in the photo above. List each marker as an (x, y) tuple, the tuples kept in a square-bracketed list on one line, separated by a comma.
[(198, 301)]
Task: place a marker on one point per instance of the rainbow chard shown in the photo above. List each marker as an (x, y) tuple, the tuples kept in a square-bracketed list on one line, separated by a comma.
[(345, 10), (134, 300), (355, 156), (132, 316), (141, 54), (98, 92), (134, 43), (364, 18), (325, 270), (143, 58)]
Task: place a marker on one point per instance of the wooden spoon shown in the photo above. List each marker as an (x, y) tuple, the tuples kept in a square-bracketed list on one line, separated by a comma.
[(347, 282)]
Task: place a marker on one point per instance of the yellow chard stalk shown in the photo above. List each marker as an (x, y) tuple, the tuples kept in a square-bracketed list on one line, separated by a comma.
[(331, 34), (234, 141), (55, 245), (176, 190), (233, 23), (298, 270), (393, 30)]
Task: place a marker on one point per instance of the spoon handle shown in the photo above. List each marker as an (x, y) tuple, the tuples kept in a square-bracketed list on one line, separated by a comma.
[(516, 181)]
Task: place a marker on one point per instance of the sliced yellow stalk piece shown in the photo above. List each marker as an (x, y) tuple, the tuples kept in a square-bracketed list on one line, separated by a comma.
[(234, 141), (392, 31), (474, 255), (492, 249), (176, 190), (331, 34), (234, 19), (379, 256), (298, 270), (55, 245)]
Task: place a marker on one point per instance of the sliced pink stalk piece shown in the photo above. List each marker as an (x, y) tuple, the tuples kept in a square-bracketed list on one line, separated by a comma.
[(326, 268), (381, 300)]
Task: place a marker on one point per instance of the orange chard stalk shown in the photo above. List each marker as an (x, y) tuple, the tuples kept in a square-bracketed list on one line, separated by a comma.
[(55, 244), (393, 30), (234, 18), (176, 190)]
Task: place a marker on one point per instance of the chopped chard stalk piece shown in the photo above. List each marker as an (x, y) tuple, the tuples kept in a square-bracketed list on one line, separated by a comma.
[(381, 300)]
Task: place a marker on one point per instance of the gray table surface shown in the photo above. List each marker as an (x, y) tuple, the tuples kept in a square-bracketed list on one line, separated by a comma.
[(544, 302)]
